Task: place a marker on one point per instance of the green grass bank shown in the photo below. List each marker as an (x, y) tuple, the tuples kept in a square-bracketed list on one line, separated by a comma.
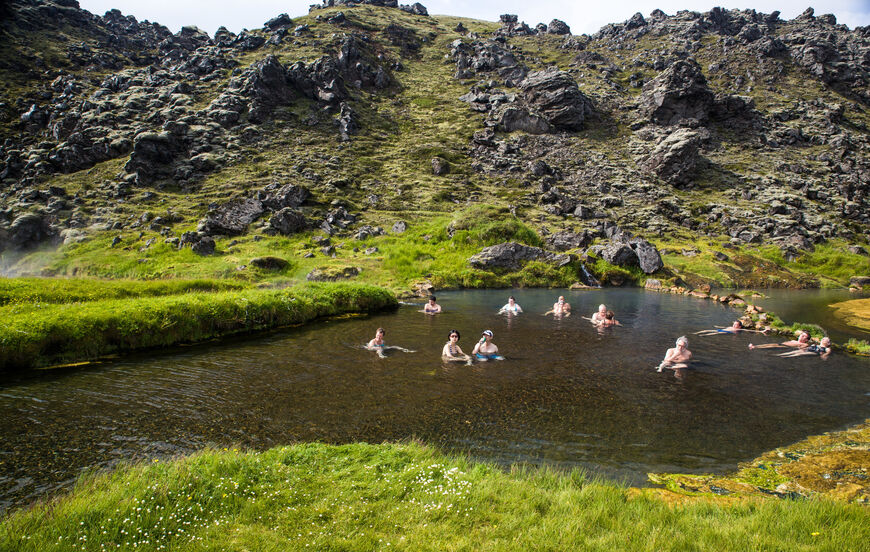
[(402, 497), (34, 334)]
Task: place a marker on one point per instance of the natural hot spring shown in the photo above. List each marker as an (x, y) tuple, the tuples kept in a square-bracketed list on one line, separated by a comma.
[(568, 394)]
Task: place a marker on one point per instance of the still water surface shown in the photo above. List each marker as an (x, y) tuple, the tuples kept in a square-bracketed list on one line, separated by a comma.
[(567, 395)]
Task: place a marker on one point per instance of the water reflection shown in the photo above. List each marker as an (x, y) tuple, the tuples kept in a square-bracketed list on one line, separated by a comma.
[(568, 394)]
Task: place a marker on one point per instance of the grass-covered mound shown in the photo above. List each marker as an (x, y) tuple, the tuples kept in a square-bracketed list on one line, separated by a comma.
[(39, 333), (72, 290), (856, 313), (833, 465), (402, 497)]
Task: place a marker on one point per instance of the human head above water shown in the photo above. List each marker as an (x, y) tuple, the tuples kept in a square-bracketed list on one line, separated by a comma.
[(825, 342), (511, 299), (453, 332), (487, 333), (682, 340), (737, 324), (431, 298), (561, 298), (380, 331), (803, 336), (609, 315), (602, 308)]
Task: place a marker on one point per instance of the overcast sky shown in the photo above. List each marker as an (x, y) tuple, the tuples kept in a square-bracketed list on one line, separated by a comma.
[(581, 16)]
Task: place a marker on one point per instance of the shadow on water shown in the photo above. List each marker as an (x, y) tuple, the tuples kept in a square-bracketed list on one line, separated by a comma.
[(567, 395)]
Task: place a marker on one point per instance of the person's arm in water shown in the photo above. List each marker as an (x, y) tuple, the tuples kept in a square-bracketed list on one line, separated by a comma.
[(397, 348), (768, 346)]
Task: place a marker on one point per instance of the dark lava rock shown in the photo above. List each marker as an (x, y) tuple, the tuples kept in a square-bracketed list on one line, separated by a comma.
[(282, 20), (511, 255), (511, 118), (270, 263), (276, 197), (648, 257), (347, 122), (416, 8), (28, 231), (554, 95), (204, 246), (565, 240), (440, 166), (152, 157), (231, 219), (680, 93), (675, 158), (558, 27), (619, 254), (287, 221)]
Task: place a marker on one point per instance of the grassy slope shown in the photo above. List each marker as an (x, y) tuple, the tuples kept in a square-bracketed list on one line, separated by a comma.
[(403, 497), (390, 158)]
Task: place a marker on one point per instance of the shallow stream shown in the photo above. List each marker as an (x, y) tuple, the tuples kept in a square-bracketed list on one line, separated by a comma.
[(567, 395)]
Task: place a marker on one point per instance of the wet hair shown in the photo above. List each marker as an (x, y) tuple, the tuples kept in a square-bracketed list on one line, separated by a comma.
[(451, 332), (431, 297), (380, 330), (739, 323), (682, 339), (609, 315), (512, 297)]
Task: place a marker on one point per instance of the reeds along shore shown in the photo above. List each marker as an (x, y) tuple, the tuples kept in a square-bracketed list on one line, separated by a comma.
[(36, 333)]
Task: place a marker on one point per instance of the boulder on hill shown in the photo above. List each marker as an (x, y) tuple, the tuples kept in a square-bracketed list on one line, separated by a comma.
[(28, 231), (555, 96), (565, 240), (558, 27), (511, 256), (287, 221), (678, 95), (232, 218), (510, 118), (675, 158)]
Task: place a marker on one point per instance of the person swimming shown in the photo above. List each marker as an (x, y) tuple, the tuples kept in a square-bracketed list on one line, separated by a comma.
[(734, 328), (609, 319), (377, 344), (677, 357), (823, 349), (560, 308), (598, 316), (485, 349), (802, 342), (511, 307), (431, 307), (451, 351)]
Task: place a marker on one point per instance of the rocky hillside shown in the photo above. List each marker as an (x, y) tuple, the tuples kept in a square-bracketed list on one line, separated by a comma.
[(727, 147)]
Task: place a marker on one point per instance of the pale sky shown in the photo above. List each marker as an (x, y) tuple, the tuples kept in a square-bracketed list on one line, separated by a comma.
[(581, 16)]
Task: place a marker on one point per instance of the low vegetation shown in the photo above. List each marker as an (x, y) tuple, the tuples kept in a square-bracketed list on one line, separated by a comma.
[(403, 497), (37, 334), (833, 465)]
